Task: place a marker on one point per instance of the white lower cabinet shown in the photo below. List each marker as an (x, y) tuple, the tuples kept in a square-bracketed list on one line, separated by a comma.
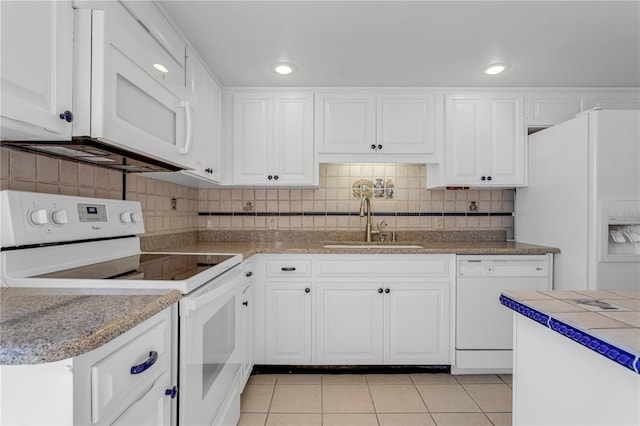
[(288, 323), (355, 310), (127, 381)]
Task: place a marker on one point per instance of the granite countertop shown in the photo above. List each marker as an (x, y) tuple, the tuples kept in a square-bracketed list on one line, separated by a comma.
[(248, 248), (47, 325), (607, 322)]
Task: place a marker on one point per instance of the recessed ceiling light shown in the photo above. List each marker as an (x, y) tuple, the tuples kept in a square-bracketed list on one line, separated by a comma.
[(161, 68), (284, 68), (497, 68)]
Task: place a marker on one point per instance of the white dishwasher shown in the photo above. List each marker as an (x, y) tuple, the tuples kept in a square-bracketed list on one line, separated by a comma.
[(484, 328)]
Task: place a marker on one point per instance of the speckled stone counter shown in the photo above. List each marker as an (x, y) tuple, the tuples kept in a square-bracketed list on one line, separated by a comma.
[(607, 322), (47, 325), (249, 248)]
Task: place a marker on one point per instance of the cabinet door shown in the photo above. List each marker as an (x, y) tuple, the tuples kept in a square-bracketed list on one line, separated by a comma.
[(547, 109), (288, 323), (245, 331), (204, 155), (252, 137), (153, 409), (505, 165), (345, 122), (406, 123), (615, 100), (349, 323), (465, 131), (293, 141), (36, 72), (416, 324)]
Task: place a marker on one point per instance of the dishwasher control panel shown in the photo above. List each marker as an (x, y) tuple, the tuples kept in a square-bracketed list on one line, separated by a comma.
[(505, 266)]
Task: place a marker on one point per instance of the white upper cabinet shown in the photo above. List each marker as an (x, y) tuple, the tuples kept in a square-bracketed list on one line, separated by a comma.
[(36, 74), (390, 125), (484, 141), (273, 139), (547, 109), (204, 152), (615, 100), (406, 123), (346, 122)]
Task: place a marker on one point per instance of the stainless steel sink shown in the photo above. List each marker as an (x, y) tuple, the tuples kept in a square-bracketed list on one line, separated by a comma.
[(373, 245)]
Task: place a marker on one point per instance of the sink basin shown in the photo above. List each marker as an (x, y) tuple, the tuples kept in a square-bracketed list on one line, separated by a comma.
[(374, 245)]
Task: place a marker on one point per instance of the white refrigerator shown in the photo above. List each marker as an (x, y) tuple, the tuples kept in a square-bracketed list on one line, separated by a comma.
[(583, 197)]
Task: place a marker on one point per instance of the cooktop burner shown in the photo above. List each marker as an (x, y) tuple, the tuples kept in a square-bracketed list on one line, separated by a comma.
[(147, 266)]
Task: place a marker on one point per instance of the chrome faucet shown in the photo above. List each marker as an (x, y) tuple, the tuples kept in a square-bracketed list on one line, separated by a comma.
[(368, 231)]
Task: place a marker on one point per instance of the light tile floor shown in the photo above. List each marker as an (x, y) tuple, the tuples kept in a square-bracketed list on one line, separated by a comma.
[(376, 400)]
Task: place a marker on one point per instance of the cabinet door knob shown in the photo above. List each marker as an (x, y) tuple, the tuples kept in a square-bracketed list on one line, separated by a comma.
[(488, 177), (269, 177), (307, 290), (386, 290), (248, 274), (67, 116), (171, 392), (275, 177), (379, 146), (483, 178), (245, 303), (373, 146), (380, 290)]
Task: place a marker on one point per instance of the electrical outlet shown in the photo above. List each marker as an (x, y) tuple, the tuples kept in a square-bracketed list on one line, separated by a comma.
[(271, 224), (439, 222), (209, 224)]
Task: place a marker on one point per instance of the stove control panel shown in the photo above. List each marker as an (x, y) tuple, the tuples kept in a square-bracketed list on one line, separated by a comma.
[(28, 218)]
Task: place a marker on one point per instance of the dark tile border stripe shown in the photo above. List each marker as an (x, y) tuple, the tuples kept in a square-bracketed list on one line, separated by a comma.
[(607, 350), (380, 214)]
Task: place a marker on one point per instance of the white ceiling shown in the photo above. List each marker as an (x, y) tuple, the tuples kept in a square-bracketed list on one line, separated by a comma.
[(415, 43)]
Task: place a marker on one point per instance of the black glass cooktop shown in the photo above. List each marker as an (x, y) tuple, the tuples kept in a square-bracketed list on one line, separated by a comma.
[(151, 266)]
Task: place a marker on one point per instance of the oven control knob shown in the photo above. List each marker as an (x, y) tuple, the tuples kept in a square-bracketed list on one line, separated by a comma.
[(38, 217), (125, 217), (59, 217), (135, 218)]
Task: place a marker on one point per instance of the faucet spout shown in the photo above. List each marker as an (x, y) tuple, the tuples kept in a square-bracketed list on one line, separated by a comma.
[(365, 204)]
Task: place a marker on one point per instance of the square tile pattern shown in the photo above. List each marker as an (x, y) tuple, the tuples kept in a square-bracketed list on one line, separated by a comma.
[(376, 399)]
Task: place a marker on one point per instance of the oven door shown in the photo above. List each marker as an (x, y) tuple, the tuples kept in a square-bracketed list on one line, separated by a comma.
[(209, 352)]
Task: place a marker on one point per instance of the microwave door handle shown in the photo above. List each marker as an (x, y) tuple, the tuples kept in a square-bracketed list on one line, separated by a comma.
[(187, 137)]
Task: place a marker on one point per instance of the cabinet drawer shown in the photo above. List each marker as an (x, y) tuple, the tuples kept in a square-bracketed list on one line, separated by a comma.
[(288, 268), (113, 386), (350, 267)]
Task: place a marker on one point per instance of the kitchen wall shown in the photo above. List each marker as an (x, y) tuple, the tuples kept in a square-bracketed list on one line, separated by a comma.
[(333, 206), (24, 171)]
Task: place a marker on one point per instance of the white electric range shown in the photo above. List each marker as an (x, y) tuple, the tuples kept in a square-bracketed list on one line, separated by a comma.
[(59, 241)]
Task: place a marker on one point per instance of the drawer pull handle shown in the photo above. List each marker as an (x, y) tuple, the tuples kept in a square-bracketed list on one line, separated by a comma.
[(288, 268), (137, 369), (171, 392)]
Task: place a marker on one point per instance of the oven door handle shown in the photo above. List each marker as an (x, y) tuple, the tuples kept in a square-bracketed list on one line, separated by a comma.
[(141, 368)]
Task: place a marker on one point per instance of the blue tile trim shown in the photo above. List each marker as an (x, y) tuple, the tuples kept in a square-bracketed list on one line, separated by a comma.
[(620, 356), (396, 214)]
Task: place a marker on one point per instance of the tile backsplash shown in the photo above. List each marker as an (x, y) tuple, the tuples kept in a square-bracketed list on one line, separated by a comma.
[(332, 206), (335, 204)]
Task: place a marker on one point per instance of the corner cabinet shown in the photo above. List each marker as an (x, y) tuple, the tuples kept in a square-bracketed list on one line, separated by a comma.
[(36, 75), (484, 141), (382, 126), (273, 139)]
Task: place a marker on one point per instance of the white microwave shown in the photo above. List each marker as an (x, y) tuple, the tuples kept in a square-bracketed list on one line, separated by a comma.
[(127, 90)]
